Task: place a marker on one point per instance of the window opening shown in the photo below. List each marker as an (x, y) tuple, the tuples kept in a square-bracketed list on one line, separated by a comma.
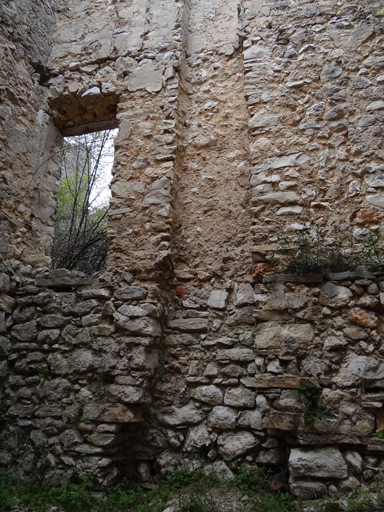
[(83, 198)]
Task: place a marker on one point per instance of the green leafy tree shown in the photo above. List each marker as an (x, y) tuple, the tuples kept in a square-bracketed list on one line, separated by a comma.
[(80, 241)]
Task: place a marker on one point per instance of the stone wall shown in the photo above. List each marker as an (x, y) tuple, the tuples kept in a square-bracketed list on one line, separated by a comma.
[(235, 122)]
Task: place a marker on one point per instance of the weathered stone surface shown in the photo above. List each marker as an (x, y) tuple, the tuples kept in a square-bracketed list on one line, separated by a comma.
[(293, 278), (145, 77), (250, 419), (308, 490), (180, 339), (272, 457), (233, 445), (330, 72), (131, 293), (244, 294), (357, 369), (217, 299), (335, 342), (223, 418), (277, 198), (364, 318), (197, 438), (209, 394), (354, 461), (220, 469), (334, 296), (239, 397), (317, 463), (144, 359), (111, 413), (186, 415), (189, 324), (271, 335), (262, 121), (144, 326), (5, 345), (235, 354), (127, 394), (25, 332)]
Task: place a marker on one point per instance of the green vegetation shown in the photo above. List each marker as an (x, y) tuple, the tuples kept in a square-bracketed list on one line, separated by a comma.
[(319, 250), (255, 484), (310, 396), (190, 491), (80, 241)]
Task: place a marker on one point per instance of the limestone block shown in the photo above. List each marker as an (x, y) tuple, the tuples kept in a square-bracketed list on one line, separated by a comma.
[(217, 299), (236, 354), (69, 438), (264, 120), (250, 419), (256, 51), (25, 332), (273, 457), (145, 77), (144, 326), (277, 198), (318, 463), (293, 160), (197, 438), (5, 345), (82, 361), (270, 336), (111, 413), (186, 415), (220, 469), (144, 359), (335, 342), (330, 72), (104, 439), (139, 311), (290, 210), (55, 389), (335, 296), (364, 318), (354, 461), (189, 324), (244, 294), (356, 368), (239, 397), (308, 490), (222, 417), (127, 394), (5, 283), (131, 293), (49, 336), (235, 444), (209, 394)]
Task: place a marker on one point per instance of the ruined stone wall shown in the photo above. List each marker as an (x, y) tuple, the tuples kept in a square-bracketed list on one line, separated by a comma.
[(236, 121), (28, 138)]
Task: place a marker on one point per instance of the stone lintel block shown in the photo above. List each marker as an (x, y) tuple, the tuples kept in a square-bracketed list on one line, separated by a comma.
[(345, 276), (268, 382), (293, 278)]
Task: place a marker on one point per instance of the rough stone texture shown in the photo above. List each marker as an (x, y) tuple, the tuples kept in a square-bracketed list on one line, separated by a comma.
[(237, 121), (319, 462)]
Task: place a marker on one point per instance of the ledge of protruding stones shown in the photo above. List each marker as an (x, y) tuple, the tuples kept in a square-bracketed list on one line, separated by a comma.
[(293, 278), (62, 278), (354, 274)]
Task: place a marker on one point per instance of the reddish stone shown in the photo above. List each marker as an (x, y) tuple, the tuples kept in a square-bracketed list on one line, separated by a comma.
[(180, 290), (261, 269), (366, 216), (362, 317)]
